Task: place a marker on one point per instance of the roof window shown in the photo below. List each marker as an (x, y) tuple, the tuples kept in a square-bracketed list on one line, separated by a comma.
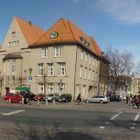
[(54, 34)]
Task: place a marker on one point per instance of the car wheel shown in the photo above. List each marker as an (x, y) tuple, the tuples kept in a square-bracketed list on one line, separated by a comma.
[(101, 102)]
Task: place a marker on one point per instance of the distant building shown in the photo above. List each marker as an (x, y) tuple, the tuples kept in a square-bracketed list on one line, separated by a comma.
[(62, 60)]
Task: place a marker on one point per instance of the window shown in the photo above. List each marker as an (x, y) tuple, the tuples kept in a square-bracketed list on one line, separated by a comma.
[(90, 59), (8, 68), (13, 34), (93, 76), (57, 51), (85, 72), (50, 88), (86, 57), (40, 88), (62, 69), (45, 52), (40, 68), (82, 55), (13, 43), (89, 74), (13, 67), (81, 71), (61, 87), (50, 69), (54, 34)]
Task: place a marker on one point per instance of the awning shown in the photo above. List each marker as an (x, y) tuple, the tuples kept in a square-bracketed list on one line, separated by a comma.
[(22, 88)]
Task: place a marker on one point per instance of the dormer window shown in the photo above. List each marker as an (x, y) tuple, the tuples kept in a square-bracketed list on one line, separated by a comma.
[(54, 34), (85, 42)]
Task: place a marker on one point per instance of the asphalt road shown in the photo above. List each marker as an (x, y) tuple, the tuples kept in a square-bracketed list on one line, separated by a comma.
[(30, 123)]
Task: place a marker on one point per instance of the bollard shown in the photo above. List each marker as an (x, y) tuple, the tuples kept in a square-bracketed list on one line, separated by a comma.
[(38, 102), (9, 101), (54, 102), (22, 100), (46, 101)]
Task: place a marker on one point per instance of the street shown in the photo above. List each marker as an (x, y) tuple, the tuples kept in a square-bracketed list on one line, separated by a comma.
[(94, 122)]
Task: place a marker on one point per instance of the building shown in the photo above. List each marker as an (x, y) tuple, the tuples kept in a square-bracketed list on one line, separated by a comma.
[(62, 60)]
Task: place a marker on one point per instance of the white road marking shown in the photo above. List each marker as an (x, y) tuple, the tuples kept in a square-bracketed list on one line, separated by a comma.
[(115, 116), (132, 127), (107, 122), (136, 117), (13, 112), (101, 127)]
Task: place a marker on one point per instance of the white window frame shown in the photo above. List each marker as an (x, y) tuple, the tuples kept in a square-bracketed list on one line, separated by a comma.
[(7, 67), (82, 55), (40, 68), (81, 71), (86, 57), (44, 53), (50, 69), (89, 74), (50, 88), (85, 74), (57, 51), (61, 88), (40, 88), (62, 69), (13, 66)]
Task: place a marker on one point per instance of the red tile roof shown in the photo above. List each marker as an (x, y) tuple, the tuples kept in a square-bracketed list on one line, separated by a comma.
[(68, 32), (31, 32)]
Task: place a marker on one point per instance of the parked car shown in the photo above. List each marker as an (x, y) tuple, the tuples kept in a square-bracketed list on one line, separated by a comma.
[(98, 99), (115, 98), (40, 97), (27, 95), (64, 98), (51, 97), (15, 98)]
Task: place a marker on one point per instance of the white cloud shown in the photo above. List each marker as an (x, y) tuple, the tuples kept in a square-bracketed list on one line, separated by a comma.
[(123, 10)]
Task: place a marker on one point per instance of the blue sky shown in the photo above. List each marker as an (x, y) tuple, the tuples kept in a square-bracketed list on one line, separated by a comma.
[(113, 23)]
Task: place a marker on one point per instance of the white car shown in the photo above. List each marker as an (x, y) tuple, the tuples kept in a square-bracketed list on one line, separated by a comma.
[(98, 99)]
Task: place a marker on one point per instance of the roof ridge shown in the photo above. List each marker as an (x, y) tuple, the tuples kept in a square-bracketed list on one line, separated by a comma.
[(48, 30), (69, 24)]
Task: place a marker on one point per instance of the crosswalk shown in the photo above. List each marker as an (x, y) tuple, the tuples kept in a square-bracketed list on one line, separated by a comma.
[(131, 120)]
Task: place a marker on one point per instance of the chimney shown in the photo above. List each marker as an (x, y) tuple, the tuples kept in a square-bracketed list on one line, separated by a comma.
[(30, 23)]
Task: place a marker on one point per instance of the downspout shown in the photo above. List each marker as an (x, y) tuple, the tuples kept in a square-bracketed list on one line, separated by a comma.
[(75, 74)]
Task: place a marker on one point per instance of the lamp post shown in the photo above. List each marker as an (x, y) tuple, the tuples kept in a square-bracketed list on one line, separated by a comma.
[(60, 86), (1, 82)]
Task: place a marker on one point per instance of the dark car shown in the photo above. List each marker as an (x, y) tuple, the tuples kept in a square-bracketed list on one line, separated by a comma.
[(64, 98), (115, 98)]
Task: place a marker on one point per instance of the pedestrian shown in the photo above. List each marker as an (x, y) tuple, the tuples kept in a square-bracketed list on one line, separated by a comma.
[(79, 98), (127, 99)]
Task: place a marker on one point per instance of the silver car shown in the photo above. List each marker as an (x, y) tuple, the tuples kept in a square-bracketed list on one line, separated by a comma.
[(98, 99)]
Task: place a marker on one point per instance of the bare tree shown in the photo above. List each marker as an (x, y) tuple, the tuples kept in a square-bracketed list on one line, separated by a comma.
[(121, 64)]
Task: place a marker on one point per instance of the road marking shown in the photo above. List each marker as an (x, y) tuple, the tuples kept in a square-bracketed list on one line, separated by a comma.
[(13, 112), (101, 127), (133, 127), (107, 122), (136, 117), (115, 116)]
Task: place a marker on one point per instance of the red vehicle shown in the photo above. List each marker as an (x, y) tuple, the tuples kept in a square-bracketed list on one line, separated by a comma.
[(15, 98), (40, 97)]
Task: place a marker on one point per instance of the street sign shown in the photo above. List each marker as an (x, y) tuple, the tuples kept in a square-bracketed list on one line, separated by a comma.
[(30, 77)]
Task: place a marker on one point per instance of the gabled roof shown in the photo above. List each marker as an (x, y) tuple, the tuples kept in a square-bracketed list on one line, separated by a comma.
[(68, 32), (31, 32)]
